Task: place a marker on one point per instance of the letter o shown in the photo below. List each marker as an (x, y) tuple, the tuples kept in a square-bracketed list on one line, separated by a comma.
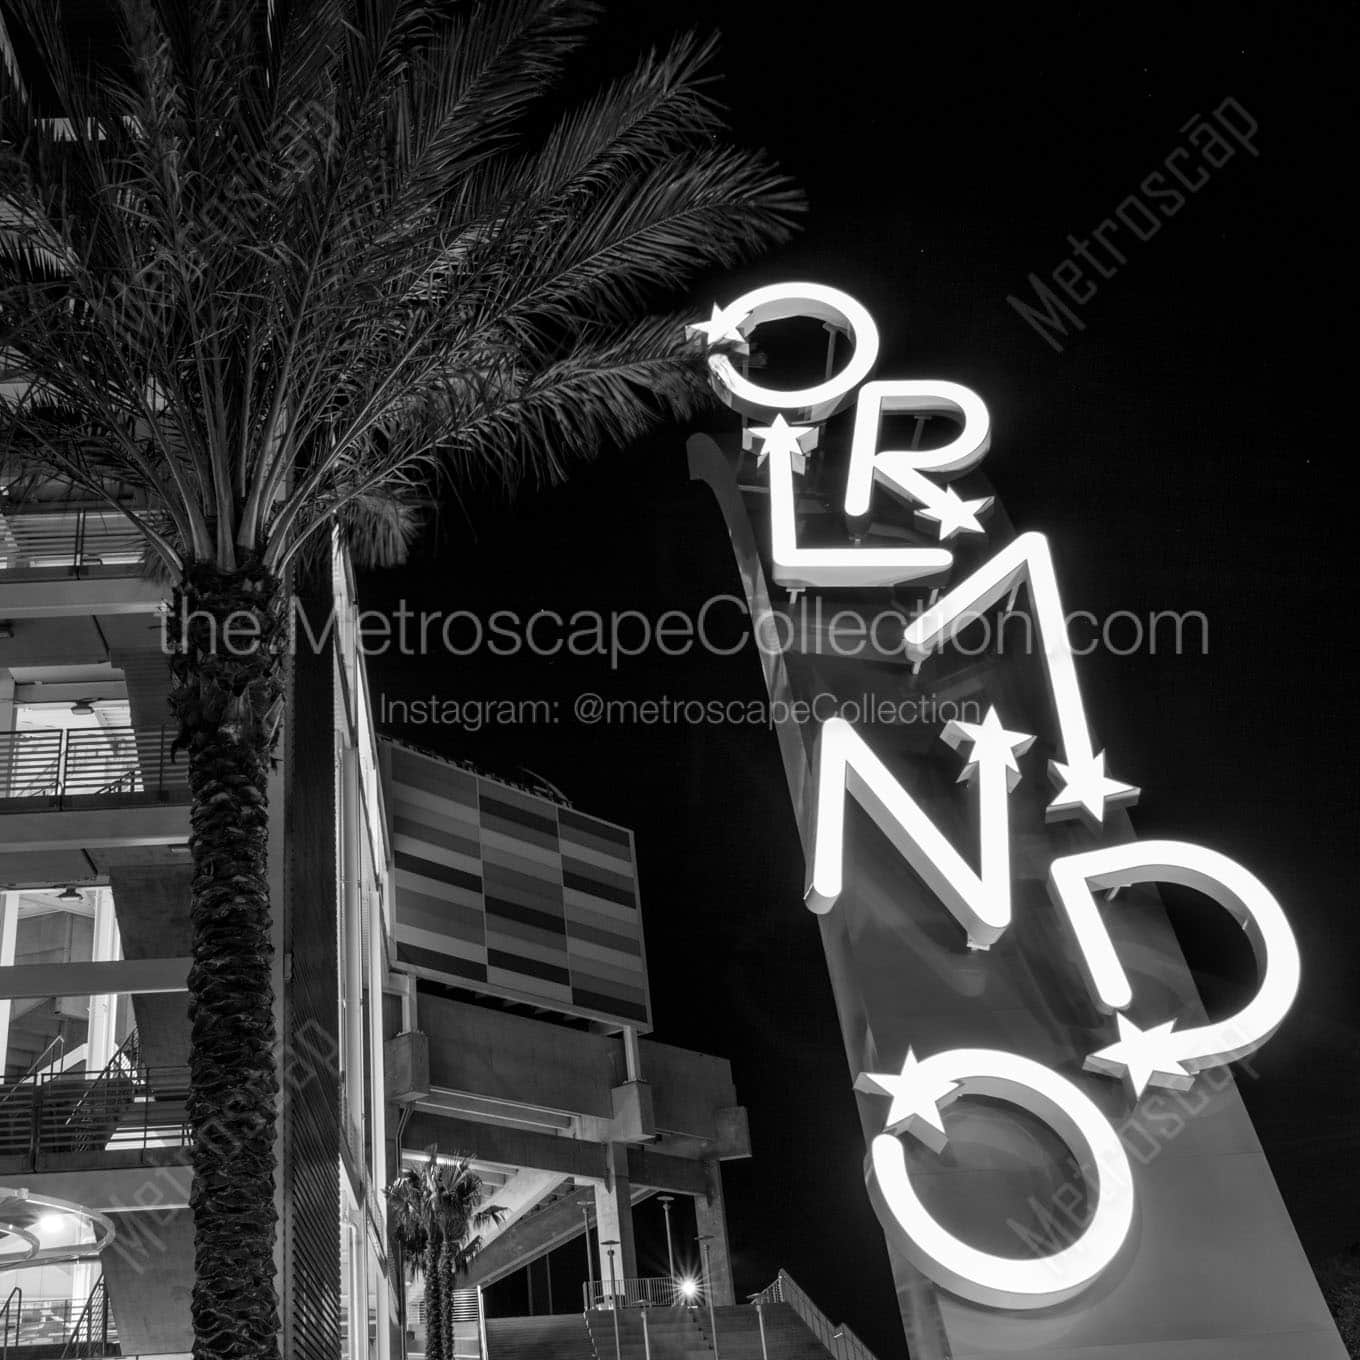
[(1003, 1281), (778, 302)]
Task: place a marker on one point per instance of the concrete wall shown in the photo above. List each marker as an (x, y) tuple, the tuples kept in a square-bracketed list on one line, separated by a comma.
[(149, 1271), (152, 906), (507, 1057)]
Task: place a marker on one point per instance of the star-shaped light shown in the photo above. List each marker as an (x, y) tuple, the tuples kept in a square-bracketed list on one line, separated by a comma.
[(951, 514), (1142, 1058), (992, 745), (721, 326), (916, 1100), (1085, 788), (781, 437)]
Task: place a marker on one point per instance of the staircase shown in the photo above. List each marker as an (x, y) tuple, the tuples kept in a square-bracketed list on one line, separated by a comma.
[(559, 1337), (673, 1333), (787, 1337)]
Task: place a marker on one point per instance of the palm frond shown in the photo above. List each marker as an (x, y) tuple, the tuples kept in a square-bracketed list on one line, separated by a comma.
[(287, 264)]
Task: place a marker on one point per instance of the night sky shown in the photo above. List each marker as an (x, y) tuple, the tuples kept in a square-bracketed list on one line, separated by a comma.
[(1184, 451)]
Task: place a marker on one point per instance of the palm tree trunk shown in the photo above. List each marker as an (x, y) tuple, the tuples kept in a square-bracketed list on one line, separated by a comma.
[(434, 1305), (446, 1279), (226, 701)]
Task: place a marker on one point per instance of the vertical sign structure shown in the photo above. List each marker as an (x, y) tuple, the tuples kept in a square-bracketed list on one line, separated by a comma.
[(1054, 1144)]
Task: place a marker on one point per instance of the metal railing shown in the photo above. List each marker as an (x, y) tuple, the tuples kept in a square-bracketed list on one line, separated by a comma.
[(840, 1341), (659, 1290), (68, 540), (56, 764), (39, 1322), (94, 1332), (112, 1111), (11, 1313), (469, 1323), (45, 1064)]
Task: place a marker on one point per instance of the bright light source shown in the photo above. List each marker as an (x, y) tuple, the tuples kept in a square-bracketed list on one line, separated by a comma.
[(689, 1288)]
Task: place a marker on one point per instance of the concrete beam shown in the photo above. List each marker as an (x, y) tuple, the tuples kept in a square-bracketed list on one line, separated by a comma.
[(130, 1189), (507, 1147), (533, 1236), (93, 829), (661, 1171), (65, 597), (131, 977), (562, 1156), (525, 1062), (518, 1196)]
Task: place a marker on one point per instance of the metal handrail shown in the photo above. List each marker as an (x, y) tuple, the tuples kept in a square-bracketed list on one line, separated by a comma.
[(841, 1341), (93, 1333), (12, 1319), (35, 1068), (659, 1290), (80, 762), (130, 1110), (67, 538)]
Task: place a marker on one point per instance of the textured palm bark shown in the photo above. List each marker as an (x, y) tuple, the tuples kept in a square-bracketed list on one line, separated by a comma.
[(434, 1304), (227, 666)]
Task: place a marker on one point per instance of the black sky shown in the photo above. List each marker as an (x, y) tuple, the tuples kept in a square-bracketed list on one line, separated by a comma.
[(1188, 450)]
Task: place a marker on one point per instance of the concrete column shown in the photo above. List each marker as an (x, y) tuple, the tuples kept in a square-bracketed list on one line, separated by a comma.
[(614, 1218), (6, 722), (103, 1009), (632, 1054), (9, 928), (352, 956), (710, 1215)]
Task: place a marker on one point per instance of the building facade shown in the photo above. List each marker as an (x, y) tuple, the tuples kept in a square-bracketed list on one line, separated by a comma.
[(460, 967), (94, 957)]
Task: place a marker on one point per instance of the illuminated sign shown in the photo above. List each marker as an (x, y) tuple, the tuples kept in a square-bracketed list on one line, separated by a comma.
[(981, 902), (847, 769), (919, 1094)]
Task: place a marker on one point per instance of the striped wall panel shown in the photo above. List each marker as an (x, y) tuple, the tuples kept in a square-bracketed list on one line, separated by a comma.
[(505, 892)]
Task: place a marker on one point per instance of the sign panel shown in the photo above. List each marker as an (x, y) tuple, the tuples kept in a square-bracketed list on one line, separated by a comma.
[(508, 893)]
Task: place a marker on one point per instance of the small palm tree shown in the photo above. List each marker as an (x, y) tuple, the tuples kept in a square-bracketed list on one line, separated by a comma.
[(435, 1221), (268, 269)]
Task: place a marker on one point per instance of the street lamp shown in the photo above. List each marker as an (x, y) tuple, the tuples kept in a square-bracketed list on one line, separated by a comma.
[(666, 1201), (614, 1296), (704, 1240), (590, 1259)]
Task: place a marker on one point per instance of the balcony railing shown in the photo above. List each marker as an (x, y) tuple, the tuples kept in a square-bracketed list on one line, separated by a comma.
[(94, 1333), (68, 542), (660, 1290), (114, 1111), (54, 765)]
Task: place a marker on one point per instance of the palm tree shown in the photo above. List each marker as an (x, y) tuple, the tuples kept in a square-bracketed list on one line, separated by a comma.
[(268, 270), (434, 1224)]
